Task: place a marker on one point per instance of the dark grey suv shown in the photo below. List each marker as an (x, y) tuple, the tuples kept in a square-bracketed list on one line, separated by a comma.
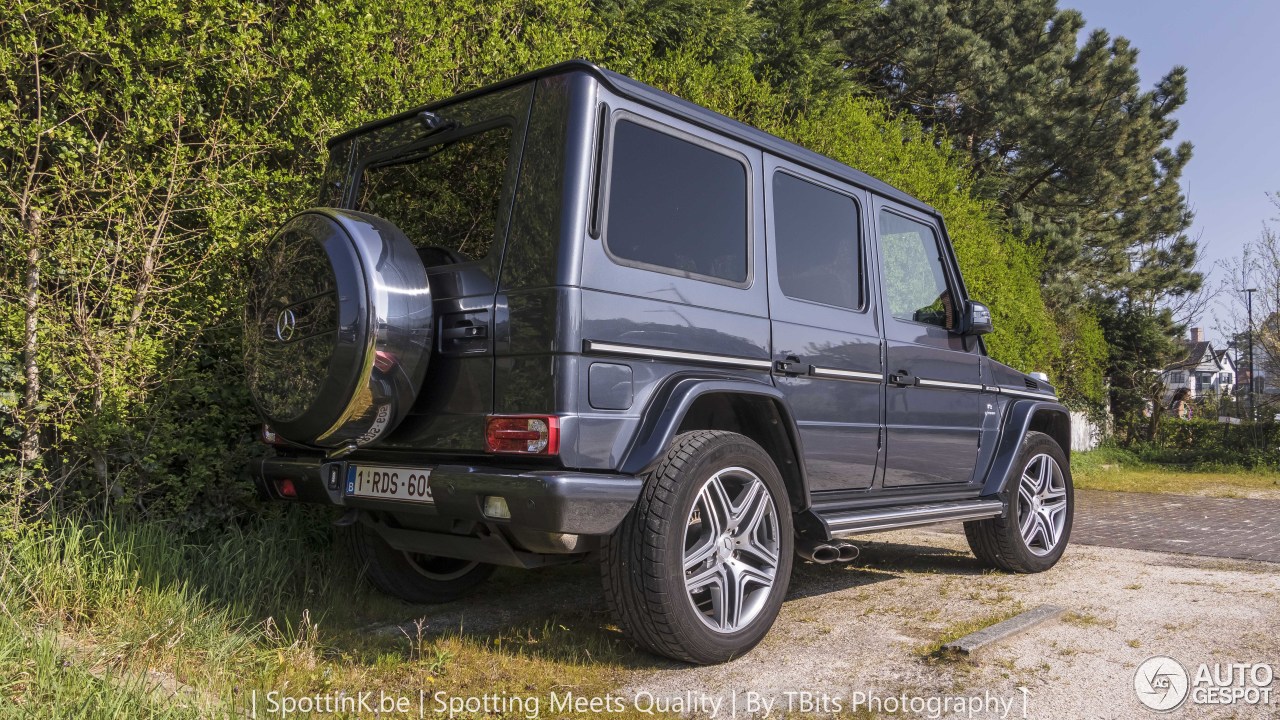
[(570, 315)]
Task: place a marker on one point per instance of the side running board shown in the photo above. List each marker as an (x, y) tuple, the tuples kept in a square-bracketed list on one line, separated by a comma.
[(851, 522)]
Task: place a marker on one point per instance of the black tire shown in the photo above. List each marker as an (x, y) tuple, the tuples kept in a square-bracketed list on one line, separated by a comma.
[(419, 579), (1000, 542), (643, 561)]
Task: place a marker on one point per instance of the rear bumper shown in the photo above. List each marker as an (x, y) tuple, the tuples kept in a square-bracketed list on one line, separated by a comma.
[(554, 501)]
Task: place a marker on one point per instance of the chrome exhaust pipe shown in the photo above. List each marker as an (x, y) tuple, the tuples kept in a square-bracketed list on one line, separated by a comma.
[(848, 552), (817, 551)]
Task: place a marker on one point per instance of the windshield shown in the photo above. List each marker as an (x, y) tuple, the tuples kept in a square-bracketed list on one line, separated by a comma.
[(448, 189)]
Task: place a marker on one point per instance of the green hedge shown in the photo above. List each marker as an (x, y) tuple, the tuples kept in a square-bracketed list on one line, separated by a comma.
[(147, 150), (1209, 443)]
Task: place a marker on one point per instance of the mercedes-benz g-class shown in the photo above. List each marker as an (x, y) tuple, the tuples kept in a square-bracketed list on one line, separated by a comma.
[(571, 316)]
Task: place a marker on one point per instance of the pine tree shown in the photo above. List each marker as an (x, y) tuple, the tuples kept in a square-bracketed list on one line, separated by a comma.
[(1078, 155)]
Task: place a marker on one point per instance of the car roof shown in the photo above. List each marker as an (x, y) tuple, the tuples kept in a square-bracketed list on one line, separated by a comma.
[(683, 109)]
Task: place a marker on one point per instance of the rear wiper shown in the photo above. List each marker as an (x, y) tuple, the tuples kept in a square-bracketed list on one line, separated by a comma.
[(435, 123)]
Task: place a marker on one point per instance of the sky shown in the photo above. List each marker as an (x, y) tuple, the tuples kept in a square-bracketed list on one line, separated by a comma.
[(1231, 50)]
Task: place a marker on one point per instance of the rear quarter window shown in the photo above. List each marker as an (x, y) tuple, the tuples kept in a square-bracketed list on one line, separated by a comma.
[(676, 206)]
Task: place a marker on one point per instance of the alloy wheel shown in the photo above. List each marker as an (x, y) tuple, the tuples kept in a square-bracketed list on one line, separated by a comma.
[(731, 549), (1042, 510)]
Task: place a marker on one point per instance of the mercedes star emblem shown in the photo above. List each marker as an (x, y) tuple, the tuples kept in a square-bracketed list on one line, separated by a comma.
[(286, 323)]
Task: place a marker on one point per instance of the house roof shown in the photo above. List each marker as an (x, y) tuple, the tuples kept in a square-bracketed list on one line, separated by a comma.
[(1195, 354)]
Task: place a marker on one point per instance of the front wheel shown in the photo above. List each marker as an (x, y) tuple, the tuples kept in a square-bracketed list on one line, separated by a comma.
[(1034, 531), (698, 569)]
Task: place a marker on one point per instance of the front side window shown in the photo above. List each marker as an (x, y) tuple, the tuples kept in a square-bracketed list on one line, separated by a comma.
[(915, 284), (444, 196), (816, 235), (676, 206)]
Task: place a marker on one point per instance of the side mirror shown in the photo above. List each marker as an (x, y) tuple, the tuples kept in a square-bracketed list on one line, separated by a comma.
[(977, 319)]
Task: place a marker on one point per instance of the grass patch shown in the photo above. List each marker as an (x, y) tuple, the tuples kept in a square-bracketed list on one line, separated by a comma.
[(1105, 457), (1180, 482), (1119, 470), (39, 680), (1087, 620), (103, 620)]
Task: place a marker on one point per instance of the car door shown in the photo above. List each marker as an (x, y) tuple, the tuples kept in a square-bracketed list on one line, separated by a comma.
[(825, 324), (451, 193), (933, 397)]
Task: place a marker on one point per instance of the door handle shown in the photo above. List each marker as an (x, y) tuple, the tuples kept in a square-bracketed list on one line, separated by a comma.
[(466, 331), (790, 365), (902, 379)]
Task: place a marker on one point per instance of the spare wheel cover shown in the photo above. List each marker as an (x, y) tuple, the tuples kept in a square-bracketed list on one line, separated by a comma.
[(339, 328)]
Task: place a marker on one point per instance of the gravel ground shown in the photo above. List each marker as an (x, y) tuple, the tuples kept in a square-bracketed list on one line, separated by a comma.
[(867, 628)]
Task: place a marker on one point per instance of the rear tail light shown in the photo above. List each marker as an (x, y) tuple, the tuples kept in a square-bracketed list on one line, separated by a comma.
[(287, 489), (523, 434)]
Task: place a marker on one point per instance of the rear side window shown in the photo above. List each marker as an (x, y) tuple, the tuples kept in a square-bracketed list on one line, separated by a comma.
[(816, 235), (676, 206)]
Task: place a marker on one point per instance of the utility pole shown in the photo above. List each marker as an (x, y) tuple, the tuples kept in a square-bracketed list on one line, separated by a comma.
[(1253, 413)]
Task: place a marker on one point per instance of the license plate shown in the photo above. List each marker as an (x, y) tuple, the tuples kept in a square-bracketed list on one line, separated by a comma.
[(389, 483)]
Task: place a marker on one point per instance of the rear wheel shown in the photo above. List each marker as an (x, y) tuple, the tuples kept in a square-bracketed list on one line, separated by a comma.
[(414, 577), (1034, 532), (698, 569)]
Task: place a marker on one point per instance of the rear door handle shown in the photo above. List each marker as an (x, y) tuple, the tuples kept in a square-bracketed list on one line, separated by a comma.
[(902, 379), (466, 332)]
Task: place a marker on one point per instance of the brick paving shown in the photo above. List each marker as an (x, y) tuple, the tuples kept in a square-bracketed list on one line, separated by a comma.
[(1217, 527)]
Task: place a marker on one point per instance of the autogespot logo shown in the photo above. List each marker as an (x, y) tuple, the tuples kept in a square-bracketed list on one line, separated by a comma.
[(1161, 683)]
